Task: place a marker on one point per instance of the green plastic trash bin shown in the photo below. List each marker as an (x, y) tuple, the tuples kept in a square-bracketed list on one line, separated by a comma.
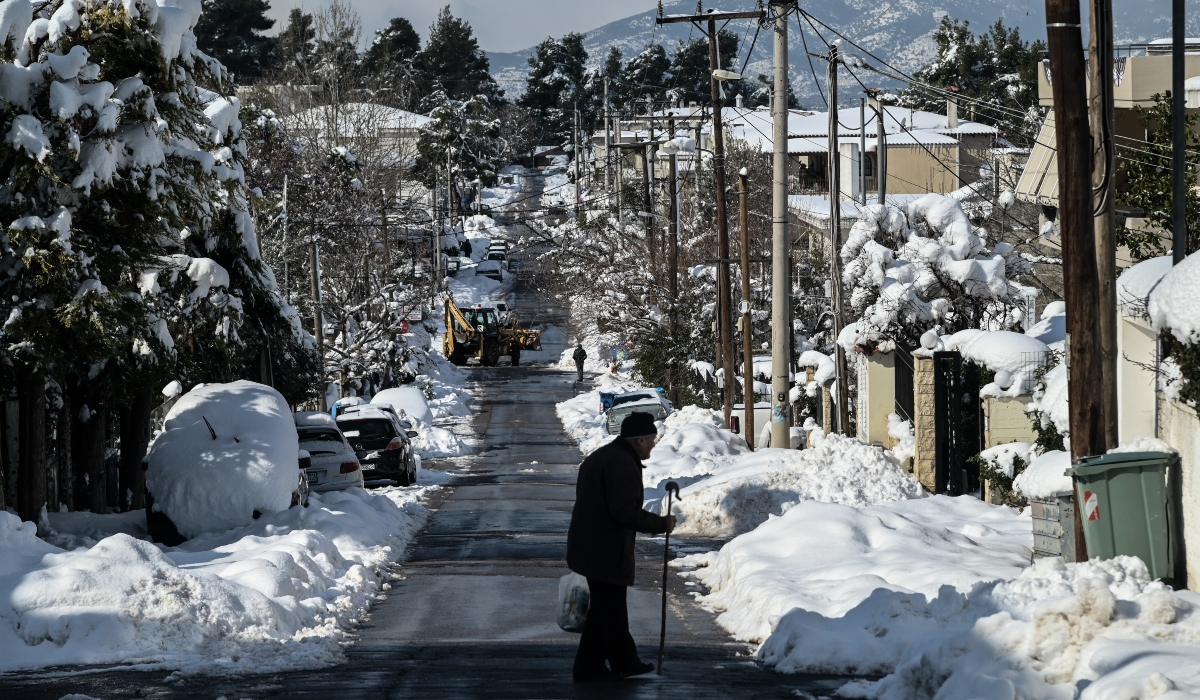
[(1124, 508)]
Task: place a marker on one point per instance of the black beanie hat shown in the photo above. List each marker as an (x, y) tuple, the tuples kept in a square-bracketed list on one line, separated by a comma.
[(638, 425)]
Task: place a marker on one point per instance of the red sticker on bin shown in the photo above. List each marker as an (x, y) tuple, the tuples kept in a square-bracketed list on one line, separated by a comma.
[(1091, 505)]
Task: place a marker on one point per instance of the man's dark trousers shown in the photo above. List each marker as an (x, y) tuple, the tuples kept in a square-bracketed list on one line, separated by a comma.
[(605, 633), (579, 369)]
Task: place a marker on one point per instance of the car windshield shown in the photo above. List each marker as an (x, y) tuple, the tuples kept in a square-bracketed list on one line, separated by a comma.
[(630, 398), (367, 429)]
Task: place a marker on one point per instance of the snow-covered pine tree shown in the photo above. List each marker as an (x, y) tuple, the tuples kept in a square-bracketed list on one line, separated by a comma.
[(119, 166)]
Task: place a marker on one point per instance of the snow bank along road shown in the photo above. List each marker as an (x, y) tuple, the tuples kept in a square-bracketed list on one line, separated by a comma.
[(472, 614)]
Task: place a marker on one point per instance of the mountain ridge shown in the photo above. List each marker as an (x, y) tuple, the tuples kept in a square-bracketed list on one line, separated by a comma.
[(898, 31)]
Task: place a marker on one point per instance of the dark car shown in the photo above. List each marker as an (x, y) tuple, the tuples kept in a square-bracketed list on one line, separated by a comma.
[(382, 442)]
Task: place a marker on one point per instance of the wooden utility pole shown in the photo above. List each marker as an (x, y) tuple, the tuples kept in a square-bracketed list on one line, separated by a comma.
[(607, 140), (724, 312), (835, 239), (673, 252), (1179, 234), (287, 287), (1080, 279), (1100, 107), (387, 243), (747, 317)]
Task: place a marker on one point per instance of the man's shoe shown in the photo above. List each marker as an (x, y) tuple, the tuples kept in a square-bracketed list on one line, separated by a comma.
[(605, 676), (637, 670)]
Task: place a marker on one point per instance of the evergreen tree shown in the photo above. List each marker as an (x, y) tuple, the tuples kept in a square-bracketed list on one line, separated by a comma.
[(557, 85), (231, 32), (296, 45), (453, 63), (996, 68), (469, 132), (396, 44), (690, 72), (648, 73)]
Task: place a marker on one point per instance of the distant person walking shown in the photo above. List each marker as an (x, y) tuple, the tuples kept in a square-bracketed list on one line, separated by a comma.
[(607, 514), (579, 356)]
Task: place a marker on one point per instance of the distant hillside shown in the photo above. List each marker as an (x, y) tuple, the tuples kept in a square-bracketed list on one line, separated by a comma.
[(899, 31)]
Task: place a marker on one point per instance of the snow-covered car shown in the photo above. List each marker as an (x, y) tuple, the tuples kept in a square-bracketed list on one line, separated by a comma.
[(382, 442), (227, 454), (647, 401), (499, 256), (409, 399), (333, 465), (490, 268)]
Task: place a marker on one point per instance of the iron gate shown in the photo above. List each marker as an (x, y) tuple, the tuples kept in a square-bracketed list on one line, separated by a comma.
[(904, 384), (958, 423)]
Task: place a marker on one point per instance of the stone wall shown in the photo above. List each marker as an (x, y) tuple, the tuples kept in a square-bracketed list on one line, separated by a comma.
[(923, 422)]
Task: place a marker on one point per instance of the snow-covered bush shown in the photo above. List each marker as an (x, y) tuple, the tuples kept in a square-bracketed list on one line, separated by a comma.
[(906, 270)]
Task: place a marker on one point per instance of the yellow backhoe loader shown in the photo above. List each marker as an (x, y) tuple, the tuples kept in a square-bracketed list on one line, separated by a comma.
[(476, 331)]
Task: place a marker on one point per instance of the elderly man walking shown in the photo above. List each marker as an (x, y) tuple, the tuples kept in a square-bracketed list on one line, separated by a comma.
[(607, 514)]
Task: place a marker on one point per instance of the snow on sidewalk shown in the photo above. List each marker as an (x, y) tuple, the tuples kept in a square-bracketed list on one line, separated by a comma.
[(283, 593)]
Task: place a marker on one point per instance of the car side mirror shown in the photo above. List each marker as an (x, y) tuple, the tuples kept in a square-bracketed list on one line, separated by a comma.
[(411, 434), (305, 462)]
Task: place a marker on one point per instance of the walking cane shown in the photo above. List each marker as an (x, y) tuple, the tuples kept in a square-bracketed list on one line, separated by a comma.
[(672, 490)]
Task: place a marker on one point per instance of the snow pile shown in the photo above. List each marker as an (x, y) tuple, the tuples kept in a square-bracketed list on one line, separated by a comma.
[(1045, 476), (282, 593), (747, 491), (831, 587), (597, 346), (906, 443), (1052, 329), (1005, 456), (1135, 284), (1050, 402), (691, 449), (206, 483), (1100, 626), (1173, 302)]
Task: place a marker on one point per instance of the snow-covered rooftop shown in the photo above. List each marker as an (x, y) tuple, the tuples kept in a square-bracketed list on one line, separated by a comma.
[(808, 132)]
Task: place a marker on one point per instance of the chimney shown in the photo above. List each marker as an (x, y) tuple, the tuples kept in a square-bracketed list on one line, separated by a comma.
[(952, 108), (738, 99)]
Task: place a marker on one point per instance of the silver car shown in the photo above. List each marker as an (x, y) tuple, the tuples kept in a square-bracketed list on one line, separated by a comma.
[(333, 466)]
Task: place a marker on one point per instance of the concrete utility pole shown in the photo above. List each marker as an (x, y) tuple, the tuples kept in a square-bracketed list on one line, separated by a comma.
[(724, 313), (880, 144), (747, 317), (1179, 235), (575, 145), (318, 325), (673, 252), (835, 239), (607, 141), (1080, 279), (862, 150), (781, 240), (1100, 107)]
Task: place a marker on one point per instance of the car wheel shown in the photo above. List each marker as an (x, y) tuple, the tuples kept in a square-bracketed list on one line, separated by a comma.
[(404, 475)]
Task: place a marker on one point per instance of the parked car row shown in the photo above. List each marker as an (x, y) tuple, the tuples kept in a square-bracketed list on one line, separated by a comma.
[(617, 407), (230, 453)]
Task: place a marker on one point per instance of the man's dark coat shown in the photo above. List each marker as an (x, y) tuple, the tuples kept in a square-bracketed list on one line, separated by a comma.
[(608, 512)]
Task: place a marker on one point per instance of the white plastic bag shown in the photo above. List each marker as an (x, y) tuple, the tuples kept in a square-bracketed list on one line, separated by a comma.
[(573, 598)]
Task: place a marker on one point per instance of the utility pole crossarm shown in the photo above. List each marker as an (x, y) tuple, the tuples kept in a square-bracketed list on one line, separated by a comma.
[(715, 16)]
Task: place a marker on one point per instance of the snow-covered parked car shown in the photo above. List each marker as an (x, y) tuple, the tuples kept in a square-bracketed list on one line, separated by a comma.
[(408, 399), (333, 464), (491, 268), (382, 443), (647, 401), (228, 453)]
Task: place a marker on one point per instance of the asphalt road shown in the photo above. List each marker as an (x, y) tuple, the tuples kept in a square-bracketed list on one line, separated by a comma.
[(471, 612)]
